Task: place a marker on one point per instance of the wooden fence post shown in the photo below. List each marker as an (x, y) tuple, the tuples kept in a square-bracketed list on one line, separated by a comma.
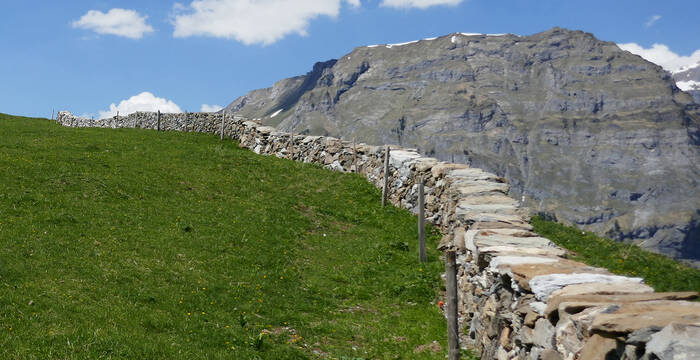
[(158, 126), (385, 189), (52, 111), (354, 155), (223, 117), (421, 223), (452, 324)]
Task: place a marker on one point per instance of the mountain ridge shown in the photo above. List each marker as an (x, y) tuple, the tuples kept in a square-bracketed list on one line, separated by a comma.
[(585, 132)]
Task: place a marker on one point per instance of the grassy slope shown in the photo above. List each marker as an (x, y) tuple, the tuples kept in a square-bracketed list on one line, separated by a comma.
[(136, 244), (660, 272)]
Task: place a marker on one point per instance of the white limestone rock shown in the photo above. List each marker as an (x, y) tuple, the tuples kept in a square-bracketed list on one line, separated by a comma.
[(676, 342), (543, 285), (519, 260)]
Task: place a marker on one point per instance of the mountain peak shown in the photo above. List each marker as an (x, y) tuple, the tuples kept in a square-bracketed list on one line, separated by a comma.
[(585, 131)]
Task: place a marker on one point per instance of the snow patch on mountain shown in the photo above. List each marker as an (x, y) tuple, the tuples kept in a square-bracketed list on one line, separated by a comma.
[(276, 113), (454, 40), (688, 85), (686, 68)]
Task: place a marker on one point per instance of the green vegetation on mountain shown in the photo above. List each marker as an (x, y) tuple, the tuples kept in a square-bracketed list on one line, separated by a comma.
[(136, 244)]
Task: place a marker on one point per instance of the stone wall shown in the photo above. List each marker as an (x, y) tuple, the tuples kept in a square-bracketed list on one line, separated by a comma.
[(520, 297)]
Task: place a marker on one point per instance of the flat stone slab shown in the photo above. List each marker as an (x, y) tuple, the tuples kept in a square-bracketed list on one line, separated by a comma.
[(473, 174), (622, 287), (398, 158), (630, 317), (510, 260), (543, 285), (310, 138), (424, 164), (250, 124), (331, 141), (467, 211), (490, 217), (507, 232), (474, 240), (482, 225), (481, 188), (441, 169), (597, 347), (575, 303), (363, 148), (521, 251), (265, 129), (524, 274), (498, 199)]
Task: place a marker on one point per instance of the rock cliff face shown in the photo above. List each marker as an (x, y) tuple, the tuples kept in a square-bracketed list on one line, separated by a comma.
[(584, 131)]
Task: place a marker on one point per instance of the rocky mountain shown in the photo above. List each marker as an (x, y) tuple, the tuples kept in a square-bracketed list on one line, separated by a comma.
[(688, 80), (584, 131)]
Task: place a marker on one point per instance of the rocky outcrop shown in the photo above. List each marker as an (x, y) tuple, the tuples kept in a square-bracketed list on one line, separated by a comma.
[(519, 296), (583, 131)]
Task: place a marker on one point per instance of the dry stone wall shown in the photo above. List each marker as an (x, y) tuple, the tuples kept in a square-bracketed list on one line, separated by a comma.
[(519, 295)]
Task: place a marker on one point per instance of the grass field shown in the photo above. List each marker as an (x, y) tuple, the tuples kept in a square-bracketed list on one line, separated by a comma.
[(136, 244), (660, 272)]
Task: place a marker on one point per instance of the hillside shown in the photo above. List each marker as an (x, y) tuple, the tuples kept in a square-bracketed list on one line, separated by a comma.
[(585, 132), (137, 244), (688, 80)]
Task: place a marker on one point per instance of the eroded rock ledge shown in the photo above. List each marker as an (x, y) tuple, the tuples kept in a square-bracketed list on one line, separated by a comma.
[(520, 297)]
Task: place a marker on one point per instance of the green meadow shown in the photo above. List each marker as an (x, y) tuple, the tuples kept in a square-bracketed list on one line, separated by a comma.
[(137, 244)]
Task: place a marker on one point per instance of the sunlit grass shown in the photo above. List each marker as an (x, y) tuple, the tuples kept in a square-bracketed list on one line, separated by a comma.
[(660, 272), (136, 244)]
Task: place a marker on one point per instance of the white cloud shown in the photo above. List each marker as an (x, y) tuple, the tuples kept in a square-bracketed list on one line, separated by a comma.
[(421, 4), (652, 21), (211, 108), (144, 101), (120, 22), (661, 55), (251, 21)]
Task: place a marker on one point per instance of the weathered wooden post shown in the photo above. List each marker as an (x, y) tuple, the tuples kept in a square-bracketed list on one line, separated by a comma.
[(52, 111), (223, 117), (354, 155), (421, 223), (452, 324), (158, 125), (385, 188)]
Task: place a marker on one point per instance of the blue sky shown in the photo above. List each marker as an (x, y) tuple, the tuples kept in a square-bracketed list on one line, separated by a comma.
[(84, 56)]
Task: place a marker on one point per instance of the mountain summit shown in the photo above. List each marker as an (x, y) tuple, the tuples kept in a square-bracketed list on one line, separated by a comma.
[(584, 131)]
